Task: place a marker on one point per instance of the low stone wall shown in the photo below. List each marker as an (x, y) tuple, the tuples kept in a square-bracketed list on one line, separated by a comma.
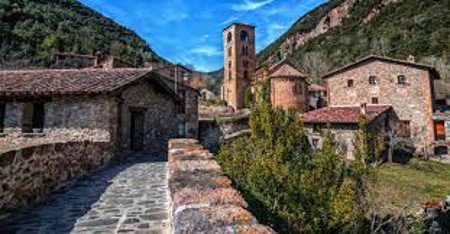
[(213, 130), (203, 199), (28, 174)]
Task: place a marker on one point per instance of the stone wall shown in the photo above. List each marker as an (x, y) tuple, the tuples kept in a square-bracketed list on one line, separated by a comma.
[(283, 94), (203, 199), (30, 173), (213, 130), (411, 102), (66, 119), (160, 116)]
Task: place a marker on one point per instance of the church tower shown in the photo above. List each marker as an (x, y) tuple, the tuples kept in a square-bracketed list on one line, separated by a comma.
[(239, 63)]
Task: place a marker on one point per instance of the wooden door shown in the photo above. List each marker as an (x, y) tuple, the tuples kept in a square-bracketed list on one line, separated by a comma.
[(137, 131), (440, 130)]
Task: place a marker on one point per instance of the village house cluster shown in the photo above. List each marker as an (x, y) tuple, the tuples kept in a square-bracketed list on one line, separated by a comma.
[(136, 109), (392, 94)]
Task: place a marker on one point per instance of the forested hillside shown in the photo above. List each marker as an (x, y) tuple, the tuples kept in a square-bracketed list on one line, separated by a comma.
[(32, 31), (341, 31)]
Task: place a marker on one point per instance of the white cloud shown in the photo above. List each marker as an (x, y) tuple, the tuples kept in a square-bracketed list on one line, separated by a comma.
[(206, 50), (249, 5), (229, 21)]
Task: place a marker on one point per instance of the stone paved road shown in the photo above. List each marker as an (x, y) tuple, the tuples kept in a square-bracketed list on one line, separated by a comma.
[(132, 197)]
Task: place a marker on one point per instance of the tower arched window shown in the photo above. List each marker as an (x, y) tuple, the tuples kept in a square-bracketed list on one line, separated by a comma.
[(245, 75), (229, 37), (244, 36)]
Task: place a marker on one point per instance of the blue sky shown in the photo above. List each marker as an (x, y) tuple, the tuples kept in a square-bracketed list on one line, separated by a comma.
[(190, 31)]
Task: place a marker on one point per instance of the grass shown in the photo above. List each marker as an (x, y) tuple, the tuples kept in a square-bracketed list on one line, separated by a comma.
[(398, 188)]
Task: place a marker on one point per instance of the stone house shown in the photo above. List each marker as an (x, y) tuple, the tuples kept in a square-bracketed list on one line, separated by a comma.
[(405, 85), (288, 87), (344, 124), (132, 108)]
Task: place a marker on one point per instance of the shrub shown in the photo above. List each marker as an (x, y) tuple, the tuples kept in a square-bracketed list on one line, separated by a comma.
[(287, 185)]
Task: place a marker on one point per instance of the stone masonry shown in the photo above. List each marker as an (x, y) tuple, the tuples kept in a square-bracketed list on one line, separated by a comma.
[(128, 197), (239, 63), (29, 174), (412, 101), (203, 199)]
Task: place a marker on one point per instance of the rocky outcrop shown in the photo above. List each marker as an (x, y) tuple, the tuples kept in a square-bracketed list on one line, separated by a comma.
[(203, 199), (31, 173), (331, 20)]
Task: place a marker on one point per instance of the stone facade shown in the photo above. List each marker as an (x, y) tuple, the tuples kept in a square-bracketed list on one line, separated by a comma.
[(29, 174), (289, 93), (239, 60), (203, 200), (97, 118), (412, 101), (190, 114), (66, 119)]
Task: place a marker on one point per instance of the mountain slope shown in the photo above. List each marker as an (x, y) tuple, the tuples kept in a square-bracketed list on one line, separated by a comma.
[(342, 31), (32, 31)]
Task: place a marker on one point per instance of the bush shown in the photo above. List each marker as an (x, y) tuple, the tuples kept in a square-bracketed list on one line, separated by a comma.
[(287, 185)]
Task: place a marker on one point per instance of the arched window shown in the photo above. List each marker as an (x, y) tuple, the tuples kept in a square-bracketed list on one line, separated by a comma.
[(373, 80), (229, 37), (244, 36), (229, 52)]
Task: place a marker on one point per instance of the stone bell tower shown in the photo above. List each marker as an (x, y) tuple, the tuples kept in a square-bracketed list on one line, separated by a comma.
[(239, 63)]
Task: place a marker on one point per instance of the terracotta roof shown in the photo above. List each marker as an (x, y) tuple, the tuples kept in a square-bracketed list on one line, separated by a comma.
[(286, 69), (238, 24), (380, 58), (68, 82), (343, 114), (316, 88)]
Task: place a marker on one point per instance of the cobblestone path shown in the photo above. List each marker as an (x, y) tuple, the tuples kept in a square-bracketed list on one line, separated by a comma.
[(127, 198)]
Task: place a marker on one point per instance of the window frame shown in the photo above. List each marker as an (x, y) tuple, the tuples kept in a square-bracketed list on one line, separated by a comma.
[(243, 35), (375, 100), (401, 80), (350, 83), (373, 80), (229, 37)]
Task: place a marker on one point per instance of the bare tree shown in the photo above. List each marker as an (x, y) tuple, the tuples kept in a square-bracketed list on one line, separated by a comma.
[(315, 64), (396, 140)]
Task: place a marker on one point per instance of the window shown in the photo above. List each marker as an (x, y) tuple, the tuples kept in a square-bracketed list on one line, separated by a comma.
[(182, 105), (245, 50), (229, 65), (245, 64), (229, 37), (245, 75), (405, 128), (317, 128), (229, 75), (315, 143), (244, 36), (297, 89), (229, 52), (374, 100), (2, 117), (401, 80), (33, 117), (181, 128), (350, 83), (373, 80), (439, 127)]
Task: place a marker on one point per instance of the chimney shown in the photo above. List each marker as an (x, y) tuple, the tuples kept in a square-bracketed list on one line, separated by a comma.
[(363, 108), (411, 59)]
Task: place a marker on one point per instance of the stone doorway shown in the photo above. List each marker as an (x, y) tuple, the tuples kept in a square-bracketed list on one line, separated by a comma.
[(137, 130)]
